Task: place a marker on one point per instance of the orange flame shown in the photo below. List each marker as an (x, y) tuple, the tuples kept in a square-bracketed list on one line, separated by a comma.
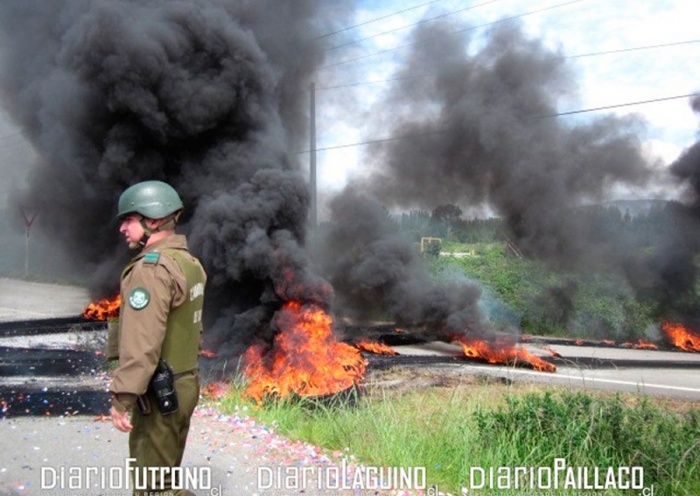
[(641, 344), (305, 359), (502, 352), (681, 337), (103, 309), (376, 348), (215, 390), (207, 353)]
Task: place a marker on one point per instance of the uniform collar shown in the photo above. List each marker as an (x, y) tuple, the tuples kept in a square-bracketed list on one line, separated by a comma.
[(173, 241)]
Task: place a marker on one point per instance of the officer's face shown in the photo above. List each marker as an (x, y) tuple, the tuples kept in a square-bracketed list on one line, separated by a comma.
[(132, 230)]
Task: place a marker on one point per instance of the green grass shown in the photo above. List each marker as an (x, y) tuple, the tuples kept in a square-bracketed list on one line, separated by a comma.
[(553, 302), (451, 430)]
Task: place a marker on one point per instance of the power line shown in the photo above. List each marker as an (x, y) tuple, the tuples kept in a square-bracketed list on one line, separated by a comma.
[(373, 82), (581, 55), (411, 25), (450, 34), (607, 107), (371, 142), (374, 20), (559, 114), (621, 50)]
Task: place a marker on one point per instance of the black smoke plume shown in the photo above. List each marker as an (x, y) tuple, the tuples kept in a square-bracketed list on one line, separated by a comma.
[(487, 133), (687, 167), (208, 95), (480, 127), (376, 271), (676, 262)]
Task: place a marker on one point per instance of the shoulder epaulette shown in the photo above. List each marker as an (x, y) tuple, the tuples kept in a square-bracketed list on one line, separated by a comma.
[(151, 257)]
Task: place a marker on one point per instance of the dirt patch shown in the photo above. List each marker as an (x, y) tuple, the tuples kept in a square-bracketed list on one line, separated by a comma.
[(402, 380)]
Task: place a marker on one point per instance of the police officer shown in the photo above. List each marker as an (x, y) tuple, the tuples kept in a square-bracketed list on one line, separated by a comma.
[(162, 293)]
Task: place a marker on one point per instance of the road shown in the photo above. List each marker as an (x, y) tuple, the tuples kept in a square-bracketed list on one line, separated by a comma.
[(231, 455), (237, 453), (673, 374), (32, 300)]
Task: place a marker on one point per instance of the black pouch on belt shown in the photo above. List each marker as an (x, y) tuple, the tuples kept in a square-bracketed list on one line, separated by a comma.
[(163, 388)]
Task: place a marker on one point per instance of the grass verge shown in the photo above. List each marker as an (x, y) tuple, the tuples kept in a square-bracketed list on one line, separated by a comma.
[(456, 430)]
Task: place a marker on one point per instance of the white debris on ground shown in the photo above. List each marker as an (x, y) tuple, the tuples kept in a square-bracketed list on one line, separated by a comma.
[(78, 340), (235, 447)]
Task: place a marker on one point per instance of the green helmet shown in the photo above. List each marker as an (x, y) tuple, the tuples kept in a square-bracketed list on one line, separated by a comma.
[(152, 199)]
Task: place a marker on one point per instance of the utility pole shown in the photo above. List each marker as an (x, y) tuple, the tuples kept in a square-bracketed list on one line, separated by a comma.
[(313, 215), (29, 219)]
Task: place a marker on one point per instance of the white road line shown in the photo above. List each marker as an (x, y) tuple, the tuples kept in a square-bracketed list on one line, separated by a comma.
[(609, 381)]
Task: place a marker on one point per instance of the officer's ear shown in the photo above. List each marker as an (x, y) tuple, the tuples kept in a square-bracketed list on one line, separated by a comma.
[(153, 224)]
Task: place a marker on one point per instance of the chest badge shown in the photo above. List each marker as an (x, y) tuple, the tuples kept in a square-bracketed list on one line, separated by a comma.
[(139, 298)]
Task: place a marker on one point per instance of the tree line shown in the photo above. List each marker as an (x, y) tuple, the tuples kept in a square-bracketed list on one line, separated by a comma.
[(639, 229)]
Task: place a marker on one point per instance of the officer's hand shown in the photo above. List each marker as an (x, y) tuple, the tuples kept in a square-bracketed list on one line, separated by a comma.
[(120, 420)]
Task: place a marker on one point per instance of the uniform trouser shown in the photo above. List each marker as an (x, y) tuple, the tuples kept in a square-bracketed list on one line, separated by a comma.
[(158, 440)]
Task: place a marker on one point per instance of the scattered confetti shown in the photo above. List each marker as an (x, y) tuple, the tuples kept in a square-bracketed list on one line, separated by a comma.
[(272, 449)]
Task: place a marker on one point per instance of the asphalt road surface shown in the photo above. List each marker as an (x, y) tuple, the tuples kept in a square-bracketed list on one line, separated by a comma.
[(233, 454), (66, 435), (654, 372), (30, 300)]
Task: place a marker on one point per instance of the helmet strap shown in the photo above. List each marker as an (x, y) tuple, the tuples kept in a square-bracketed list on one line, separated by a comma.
[(147, 231), (168, 223)]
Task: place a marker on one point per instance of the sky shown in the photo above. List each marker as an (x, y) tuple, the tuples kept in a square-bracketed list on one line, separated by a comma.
[(347, 112), (351, 84)]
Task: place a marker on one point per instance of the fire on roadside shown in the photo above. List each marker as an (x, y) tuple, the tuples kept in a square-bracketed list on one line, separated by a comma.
[(103, 309), (304, 358), (681, 336), (215, 390), (375, 347), (502, 351), (641, 344)]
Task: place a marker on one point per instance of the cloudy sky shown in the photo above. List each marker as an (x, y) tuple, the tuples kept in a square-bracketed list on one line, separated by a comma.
[(362, 58)]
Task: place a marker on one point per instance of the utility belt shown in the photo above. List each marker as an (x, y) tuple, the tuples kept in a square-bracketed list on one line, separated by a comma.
[(162, 388)]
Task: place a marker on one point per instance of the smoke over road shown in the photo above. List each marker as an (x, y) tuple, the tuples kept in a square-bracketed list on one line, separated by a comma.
[(210, 95), (478, 128), (207, 95), (676, 262), (481, 127), (687, 167), (487, 135), (374, 269)]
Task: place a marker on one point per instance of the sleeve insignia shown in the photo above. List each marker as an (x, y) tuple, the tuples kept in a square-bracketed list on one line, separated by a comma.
[(139, 298)]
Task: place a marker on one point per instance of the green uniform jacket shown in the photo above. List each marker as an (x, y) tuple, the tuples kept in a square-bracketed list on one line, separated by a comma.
[(162, 292)]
